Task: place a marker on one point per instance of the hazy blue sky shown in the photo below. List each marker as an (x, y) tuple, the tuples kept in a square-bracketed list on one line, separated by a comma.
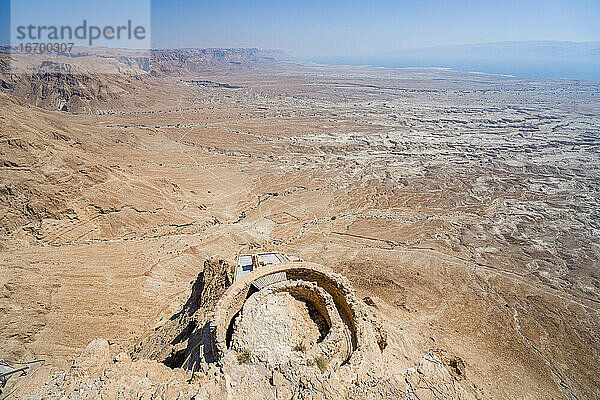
[(332, 27)]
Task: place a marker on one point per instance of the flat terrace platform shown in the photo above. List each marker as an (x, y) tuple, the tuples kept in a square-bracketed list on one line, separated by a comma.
[(249, 262)]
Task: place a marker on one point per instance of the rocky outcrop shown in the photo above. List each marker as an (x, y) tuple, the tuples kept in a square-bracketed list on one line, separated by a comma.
[(304, 337), (99, 374), (172, 342)]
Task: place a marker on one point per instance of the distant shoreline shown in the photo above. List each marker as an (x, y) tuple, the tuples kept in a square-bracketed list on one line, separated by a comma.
[(578, 70)]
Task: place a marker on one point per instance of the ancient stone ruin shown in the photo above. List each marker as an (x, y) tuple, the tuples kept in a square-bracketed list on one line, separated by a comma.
[(291, 330), (298, 312)]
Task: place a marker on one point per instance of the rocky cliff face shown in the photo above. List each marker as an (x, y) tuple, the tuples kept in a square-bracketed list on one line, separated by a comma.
[(61, 89), (173, 341), (90, 80), (186, 61)]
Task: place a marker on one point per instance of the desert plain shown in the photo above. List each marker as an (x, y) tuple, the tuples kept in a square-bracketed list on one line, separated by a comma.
[(463, 207)]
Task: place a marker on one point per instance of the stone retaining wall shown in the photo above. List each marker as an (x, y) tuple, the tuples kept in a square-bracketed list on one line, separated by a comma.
[(330, 293)]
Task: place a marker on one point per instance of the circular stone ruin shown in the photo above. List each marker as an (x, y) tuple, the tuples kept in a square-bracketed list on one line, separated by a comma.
[(294, 311)]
